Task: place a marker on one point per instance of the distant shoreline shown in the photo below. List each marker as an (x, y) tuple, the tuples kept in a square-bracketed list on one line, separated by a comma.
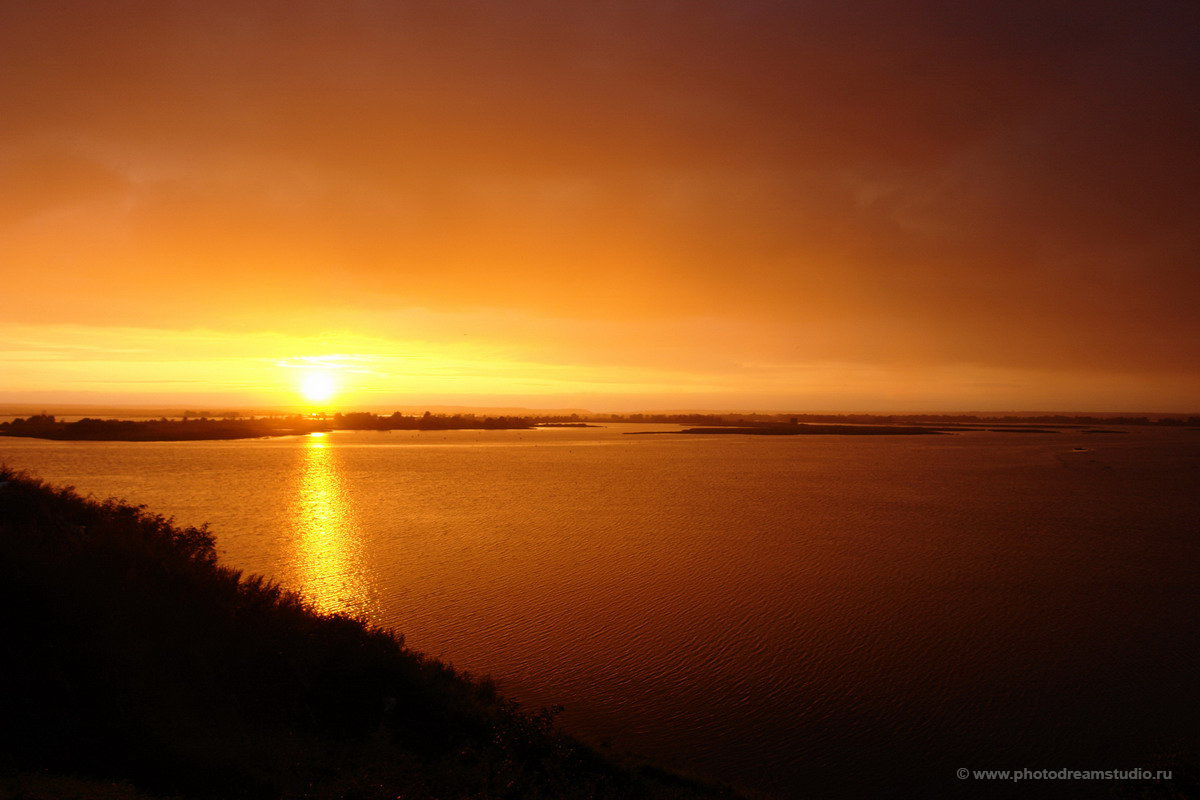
[(228, 427), (44, 426), (806, 430)]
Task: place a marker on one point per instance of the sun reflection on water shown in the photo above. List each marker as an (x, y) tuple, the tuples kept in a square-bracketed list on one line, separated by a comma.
[(329, 548)]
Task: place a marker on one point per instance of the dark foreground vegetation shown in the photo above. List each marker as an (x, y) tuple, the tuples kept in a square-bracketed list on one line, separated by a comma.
[(137, 667)]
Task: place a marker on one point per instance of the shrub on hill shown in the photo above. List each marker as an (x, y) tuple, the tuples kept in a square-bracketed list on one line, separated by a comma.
[(134, 656)]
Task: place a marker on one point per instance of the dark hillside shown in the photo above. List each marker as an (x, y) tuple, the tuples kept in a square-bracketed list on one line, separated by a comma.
[(131, 656)]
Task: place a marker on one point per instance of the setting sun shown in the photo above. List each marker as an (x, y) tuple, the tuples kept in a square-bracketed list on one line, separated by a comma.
[(318, 386)]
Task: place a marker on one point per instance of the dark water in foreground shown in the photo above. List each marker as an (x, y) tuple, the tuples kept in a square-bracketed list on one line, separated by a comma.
[(804, 616)]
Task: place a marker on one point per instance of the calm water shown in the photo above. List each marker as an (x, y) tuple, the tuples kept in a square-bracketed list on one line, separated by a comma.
[(804, 616)]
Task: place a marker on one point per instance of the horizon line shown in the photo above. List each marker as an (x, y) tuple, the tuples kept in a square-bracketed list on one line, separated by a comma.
[(24, 409)]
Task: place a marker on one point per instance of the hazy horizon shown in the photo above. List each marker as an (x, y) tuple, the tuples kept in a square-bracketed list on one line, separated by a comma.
[(74, 409)]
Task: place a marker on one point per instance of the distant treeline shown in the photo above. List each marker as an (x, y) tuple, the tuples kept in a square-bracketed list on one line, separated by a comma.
[(230, 426), (136, 666), (46, 426), (891, 419), (365, 421)]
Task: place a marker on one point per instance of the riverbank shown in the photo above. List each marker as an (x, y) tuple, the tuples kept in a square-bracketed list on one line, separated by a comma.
[(137, 659)]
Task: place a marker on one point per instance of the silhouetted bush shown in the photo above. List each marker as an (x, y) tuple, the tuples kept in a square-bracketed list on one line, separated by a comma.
[(132, 655)]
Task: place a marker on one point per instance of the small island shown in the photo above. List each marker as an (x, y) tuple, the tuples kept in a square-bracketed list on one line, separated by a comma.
[(806, 430), (565, 425)]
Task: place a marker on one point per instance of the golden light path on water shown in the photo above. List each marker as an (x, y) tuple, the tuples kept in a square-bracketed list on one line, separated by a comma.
[(329, 557)]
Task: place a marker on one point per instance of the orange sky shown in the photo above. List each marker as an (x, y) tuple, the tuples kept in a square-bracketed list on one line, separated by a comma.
[(761, 205)]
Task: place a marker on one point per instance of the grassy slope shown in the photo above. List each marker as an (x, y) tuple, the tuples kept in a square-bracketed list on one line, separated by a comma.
[(137, 662)]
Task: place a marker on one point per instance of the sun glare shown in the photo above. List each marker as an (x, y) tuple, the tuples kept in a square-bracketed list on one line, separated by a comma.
[(318, 387)]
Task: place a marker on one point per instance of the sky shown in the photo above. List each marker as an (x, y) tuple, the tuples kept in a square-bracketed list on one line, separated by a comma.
[(611, 205)]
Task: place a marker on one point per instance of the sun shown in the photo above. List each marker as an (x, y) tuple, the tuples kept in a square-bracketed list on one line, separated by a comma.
[(318, 386)]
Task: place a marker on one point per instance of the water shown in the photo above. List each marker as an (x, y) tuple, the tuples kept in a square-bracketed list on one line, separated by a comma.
[(802, 616)]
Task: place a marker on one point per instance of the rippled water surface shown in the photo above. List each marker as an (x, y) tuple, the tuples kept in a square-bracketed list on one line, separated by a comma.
[(814, 616)]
